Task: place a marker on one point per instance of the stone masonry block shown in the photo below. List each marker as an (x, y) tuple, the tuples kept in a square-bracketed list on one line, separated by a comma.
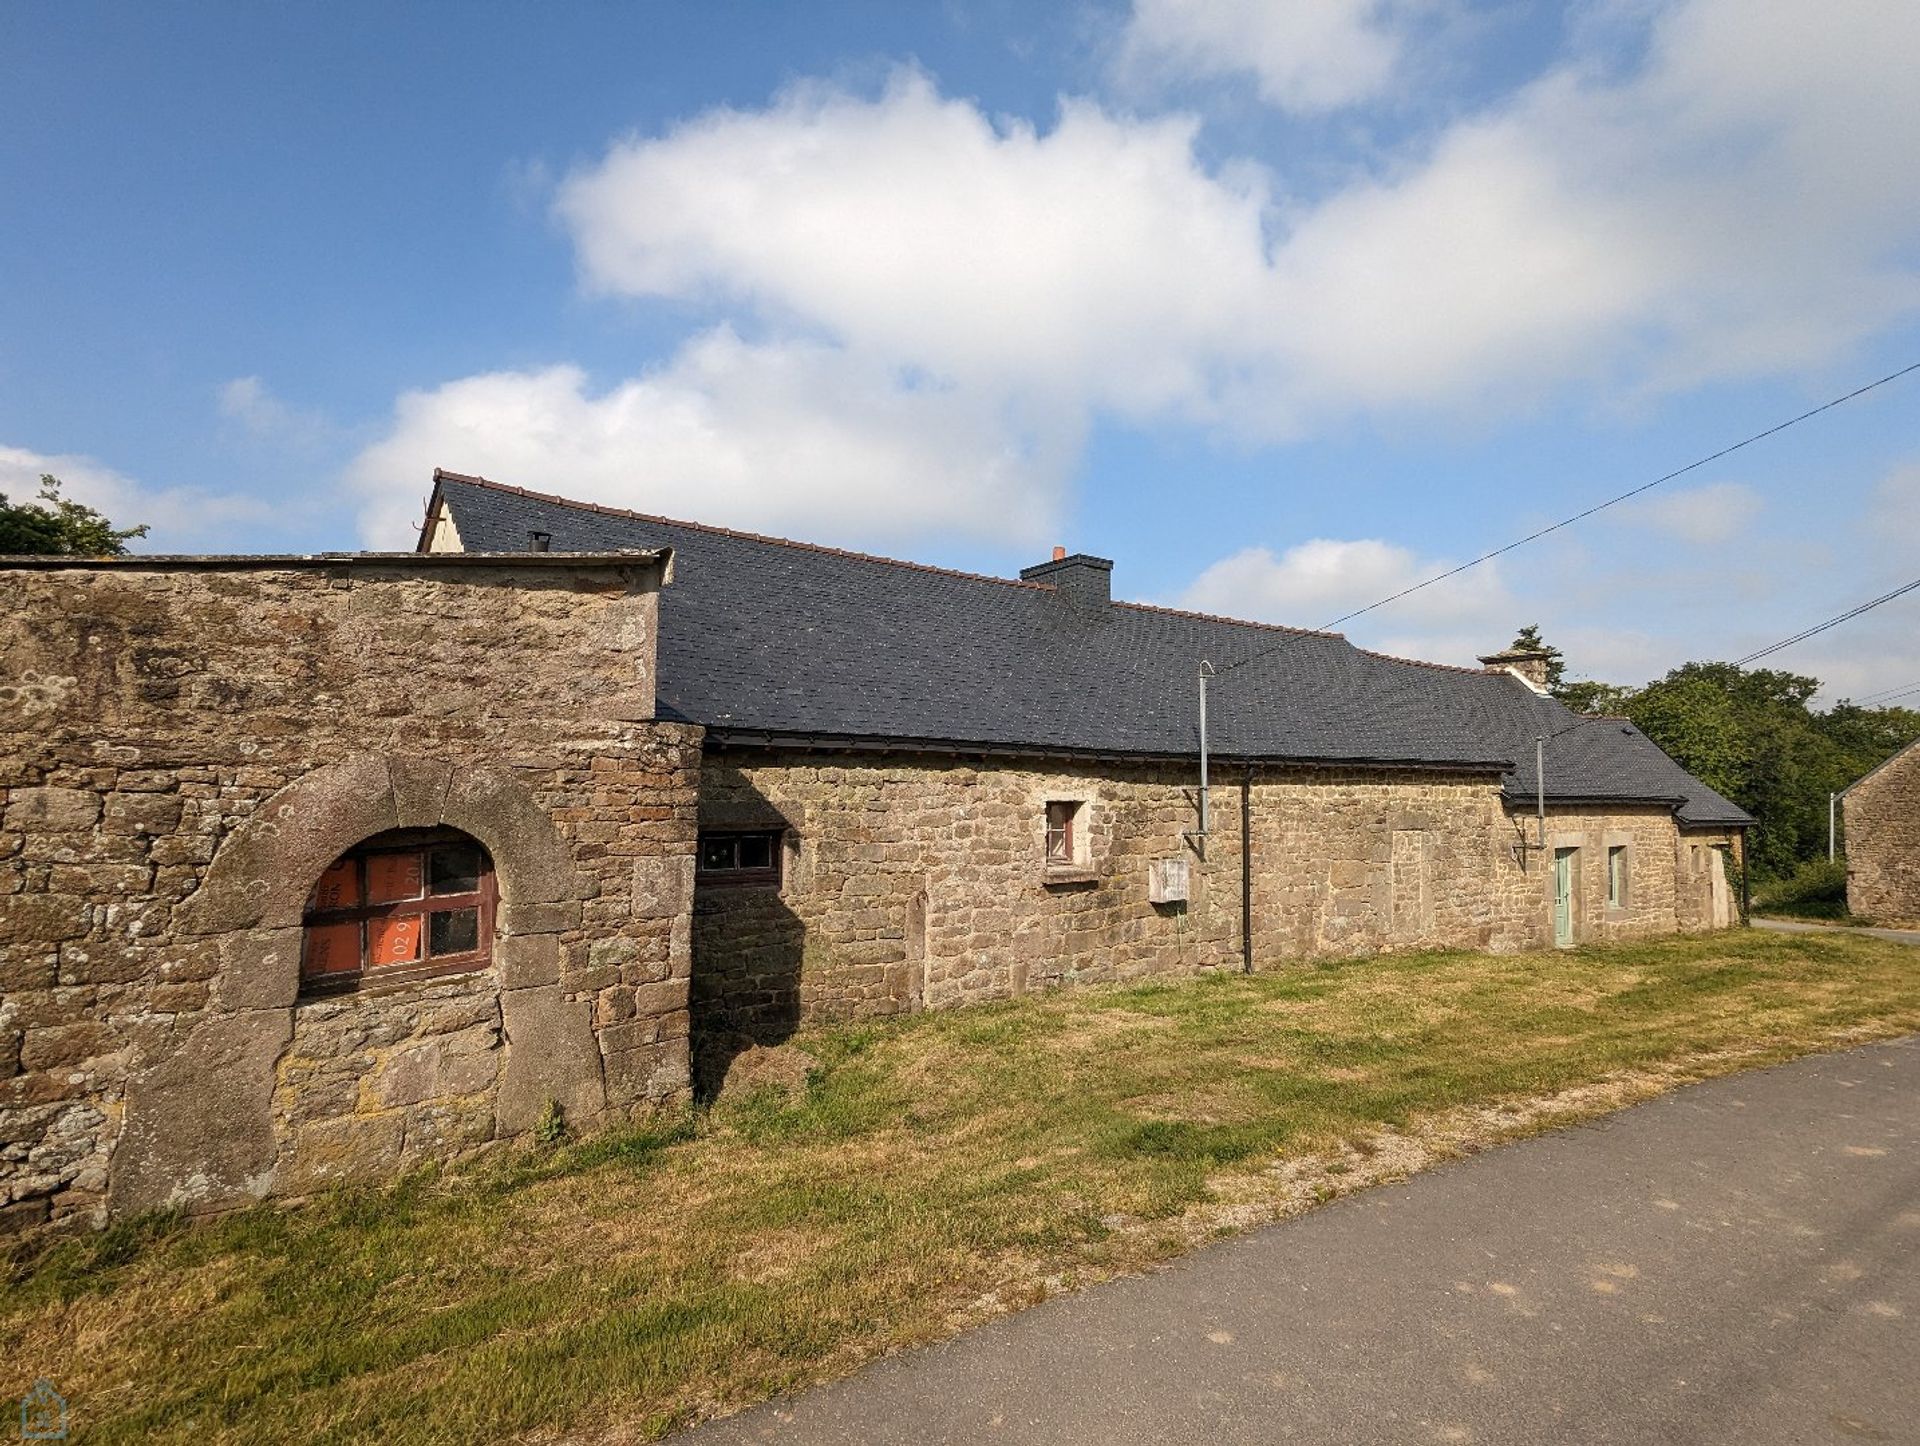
[(199, 1130), (551, 1055), (495, 807), (259, 969), (267, 867), (525, 960), (52, 810), (419, 790)]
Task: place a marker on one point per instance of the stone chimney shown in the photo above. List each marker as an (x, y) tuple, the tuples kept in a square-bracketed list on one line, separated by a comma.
[(1078, 577), (1529, 665)]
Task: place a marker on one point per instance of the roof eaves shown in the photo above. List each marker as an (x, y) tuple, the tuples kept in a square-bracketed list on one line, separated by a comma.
[(726, 737)]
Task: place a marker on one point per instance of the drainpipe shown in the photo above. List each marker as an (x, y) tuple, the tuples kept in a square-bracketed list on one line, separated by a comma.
[(1246, 872), (1206, 672), (1540, 787), (1832, 801)]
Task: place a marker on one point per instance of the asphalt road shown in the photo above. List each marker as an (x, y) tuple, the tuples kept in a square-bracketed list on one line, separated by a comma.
[(1737, 1262)]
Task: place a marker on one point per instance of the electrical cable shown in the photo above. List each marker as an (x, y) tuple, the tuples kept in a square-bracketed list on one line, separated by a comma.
[(1579, 516)]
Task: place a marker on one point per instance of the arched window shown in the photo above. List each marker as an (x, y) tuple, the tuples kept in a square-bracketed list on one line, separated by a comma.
[(402, 905)]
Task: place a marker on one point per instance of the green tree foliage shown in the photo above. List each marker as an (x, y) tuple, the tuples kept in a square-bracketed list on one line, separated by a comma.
[(1755, 737), (58, 526), (1589, 695), (1528, 639)]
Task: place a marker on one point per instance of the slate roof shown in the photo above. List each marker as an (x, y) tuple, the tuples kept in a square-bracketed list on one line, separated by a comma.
[(1589, 759), (762, 636)]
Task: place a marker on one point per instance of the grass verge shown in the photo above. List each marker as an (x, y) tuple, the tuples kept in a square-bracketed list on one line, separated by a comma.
[(938, 1169)]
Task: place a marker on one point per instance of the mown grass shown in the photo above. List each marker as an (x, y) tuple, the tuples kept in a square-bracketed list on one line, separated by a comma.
[(935, 1165)]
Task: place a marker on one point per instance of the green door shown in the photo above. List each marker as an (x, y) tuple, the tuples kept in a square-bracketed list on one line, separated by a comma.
[(1563, 897)]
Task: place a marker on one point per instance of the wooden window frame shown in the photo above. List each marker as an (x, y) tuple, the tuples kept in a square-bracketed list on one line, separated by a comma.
[(1066, 831), (484, 899), (734, 876), (1077, 865)]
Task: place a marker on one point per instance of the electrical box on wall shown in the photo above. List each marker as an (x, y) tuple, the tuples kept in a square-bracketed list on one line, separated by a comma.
[(1167, 881)]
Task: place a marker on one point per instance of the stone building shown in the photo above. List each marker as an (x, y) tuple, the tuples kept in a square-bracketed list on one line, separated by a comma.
[(921, 787), (312, 869), (315, 868), (1882, 813)]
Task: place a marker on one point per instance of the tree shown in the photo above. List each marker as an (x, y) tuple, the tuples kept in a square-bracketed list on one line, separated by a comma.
[(1590, 695), (1528, 640), (1754, 737), (57, 526)]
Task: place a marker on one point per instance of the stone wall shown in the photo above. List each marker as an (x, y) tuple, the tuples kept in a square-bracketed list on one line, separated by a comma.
[(1882, 813), (912, 881), (185, 746)]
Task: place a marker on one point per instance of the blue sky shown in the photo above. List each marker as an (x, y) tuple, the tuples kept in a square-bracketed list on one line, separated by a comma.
[(1282, 306)]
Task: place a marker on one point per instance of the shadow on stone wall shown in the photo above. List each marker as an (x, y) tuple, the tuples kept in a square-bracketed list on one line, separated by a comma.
[(745, 994)]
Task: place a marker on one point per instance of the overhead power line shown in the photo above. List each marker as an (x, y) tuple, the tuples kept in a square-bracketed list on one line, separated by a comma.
[(1898, 690), (1801, 636), (1832, 622), (1589, 512)]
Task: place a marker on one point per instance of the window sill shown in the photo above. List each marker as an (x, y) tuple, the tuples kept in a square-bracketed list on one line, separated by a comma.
[(737, 878), (389, 980), (1074, 875)]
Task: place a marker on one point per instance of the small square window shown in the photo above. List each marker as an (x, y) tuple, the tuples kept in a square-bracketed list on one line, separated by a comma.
[(744, 857)]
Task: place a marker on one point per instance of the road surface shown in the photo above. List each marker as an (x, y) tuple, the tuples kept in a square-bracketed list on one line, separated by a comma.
[(1736, 1262)]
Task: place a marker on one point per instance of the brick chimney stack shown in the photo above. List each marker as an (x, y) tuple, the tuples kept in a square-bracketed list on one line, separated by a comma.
[(1529, 665)]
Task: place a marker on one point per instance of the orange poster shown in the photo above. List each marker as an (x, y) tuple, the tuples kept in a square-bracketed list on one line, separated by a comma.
[(393, 941), (333, 948), (339, 887), (392, 876)]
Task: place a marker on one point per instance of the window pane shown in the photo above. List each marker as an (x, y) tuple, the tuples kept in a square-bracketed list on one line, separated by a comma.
[(339, 887), (392, 876), (456, 931), (453, 870), (332, 949), (717, 852), (756, 850), (393, 941), (1060, 833)]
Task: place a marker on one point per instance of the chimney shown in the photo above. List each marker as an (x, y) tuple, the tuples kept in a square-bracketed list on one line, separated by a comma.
[(1529, 665), (1079, 578)]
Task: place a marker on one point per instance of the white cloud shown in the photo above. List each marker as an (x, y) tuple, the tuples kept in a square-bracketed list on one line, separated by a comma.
[(785, 436), (1706, 515), (248, 402), (1317, 581), (179, 518), (1727, 194), (1736, 205), (1093, 264), (1307, 55)]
